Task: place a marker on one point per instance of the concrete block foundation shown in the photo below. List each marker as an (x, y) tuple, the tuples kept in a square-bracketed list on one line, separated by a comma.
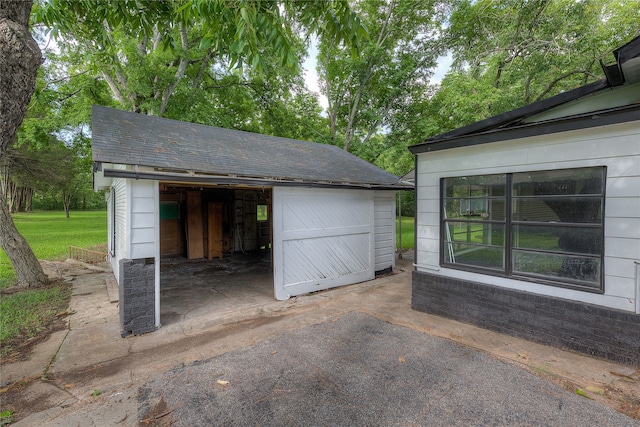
[(598, 331), (137, 296)]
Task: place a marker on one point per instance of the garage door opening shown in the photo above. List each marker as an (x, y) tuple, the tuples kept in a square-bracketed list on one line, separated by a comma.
[(215, 249)]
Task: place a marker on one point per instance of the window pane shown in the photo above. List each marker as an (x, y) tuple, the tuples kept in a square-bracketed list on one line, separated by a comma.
[(559, 182), (555, 224), (475, 232), (262, 212), (476, 186), (475, 209), (169, 210), (559, 239), (474, 255), (558, 209), (556, 266)]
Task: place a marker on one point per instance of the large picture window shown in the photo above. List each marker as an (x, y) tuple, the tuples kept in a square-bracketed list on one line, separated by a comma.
[(545, 226)]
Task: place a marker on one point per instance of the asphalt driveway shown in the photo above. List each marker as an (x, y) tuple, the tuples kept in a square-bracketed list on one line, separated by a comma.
[(355, 355), (357, 370)]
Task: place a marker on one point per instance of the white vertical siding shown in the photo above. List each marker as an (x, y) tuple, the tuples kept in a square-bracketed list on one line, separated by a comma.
[(385, 229), (144, 218), (616, 146), (121, 224), (637, 287), (109, 198), (137, 222), (322, 238)]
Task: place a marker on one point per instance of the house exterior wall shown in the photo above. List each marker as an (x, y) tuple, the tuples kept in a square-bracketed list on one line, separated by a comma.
[(596, 331), (118, 219), (137, 231), (385, 229), (144, 214), (109, 196), (616, 146)]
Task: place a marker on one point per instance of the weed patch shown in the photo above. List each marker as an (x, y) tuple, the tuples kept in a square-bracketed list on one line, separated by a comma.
[(28, 314)]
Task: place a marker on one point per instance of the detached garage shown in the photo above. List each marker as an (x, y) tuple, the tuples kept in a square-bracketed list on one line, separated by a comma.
[(200, 192)]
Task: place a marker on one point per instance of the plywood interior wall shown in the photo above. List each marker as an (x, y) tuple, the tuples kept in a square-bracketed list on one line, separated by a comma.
[(208, 222), (195, 237)]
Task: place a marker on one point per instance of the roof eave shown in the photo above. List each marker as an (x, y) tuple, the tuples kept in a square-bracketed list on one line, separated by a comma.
[(247, 181), (522, 112), (582, 121)]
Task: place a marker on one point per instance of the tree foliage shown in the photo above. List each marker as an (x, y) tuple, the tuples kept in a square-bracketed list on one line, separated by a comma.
[(144, 49), (513, 52), (392, 71)]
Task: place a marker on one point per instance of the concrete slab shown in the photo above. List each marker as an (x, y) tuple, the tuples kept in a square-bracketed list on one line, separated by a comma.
[(92, 328), (112, 289), (95, 357), (35, 364)]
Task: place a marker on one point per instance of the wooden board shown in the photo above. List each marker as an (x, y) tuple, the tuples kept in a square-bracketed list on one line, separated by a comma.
[(169, 237), (195, 237), (215, 232)]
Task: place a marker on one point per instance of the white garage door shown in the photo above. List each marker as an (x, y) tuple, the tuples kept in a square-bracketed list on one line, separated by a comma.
[(322, 238)]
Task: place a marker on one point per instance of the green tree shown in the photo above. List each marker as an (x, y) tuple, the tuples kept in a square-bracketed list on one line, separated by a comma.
[(143, 50), (513, 52), (50, 152), (277, 103), (391, 72)]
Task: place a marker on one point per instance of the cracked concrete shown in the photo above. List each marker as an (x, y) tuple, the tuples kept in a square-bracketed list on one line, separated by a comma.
[(96, 375)]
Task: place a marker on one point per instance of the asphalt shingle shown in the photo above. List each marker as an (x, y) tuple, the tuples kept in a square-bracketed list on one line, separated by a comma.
[(121, 137)]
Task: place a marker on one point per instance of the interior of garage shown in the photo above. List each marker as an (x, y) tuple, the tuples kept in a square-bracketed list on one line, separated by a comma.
[(215, 249), (208, 222)]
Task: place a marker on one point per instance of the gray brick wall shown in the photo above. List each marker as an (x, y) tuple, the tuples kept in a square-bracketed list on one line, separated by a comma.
[(598, 331), (137, 296)]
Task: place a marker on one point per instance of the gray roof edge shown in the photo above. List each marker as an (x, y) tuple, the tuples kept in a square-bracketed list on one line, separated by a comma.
[(521, 112), (222, 176), (225, 180), (592, 119)]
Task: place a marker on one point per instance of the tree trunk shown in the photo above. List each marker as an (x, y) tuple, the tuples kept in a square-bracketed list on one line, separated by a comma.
[(11, 196), (20, 58), (19, 205), (28, 199), (66, 203), (28, 269)]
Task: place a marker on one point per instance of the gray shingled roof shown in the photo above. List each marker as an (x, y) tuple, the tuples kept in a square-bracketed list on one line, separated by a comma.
[(121, 137)]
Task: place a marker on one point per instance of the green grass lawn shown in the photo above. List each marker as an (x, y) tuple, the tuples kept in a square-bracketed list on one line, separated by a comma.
[(50, 234), (31, 312), (407, 232)]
